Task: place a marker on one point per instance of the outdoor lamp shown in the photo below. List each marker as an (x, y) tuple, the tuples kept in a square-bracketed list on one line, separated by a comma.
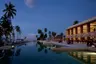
[(12, 46)]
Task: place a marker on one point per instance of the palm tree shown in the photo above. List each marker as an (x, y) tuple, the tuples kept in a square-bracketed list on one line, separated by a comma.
[(18, 31), (64, 37), (75, 22), (61, 34), (45, 29), (49, 34), (6, 26), (36, 36), (9, 10), (45, 35), (1, 33), (41, 34), (53, 34), (13, 33), (39, 31)]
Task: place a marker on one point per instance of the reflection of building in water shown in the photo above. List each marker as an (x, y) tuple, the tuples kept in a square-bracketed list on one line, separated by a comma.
[(85, 57)]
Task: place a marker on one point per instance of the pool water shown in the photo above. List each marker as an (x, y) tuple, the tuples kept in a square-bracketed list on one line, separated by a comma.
[(34, 53)]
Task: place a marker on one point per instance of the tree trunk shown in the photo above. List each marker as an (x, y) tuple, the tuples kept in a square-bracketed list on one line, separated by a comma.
[(7, 39), (10, 38)]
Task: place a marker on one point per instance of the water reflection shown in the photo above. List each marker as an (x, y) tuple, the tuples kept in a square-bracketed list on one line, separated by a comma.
[(42, 47), (8, 56), (13, 55), (7, 59), (17, 52), (46, 51), (85, 57)]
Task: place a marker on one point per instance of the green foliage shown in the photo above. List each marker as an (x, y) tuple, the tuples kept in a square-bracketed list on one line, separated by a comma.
[(6, 27), (45, 29), (36, 36), (49, 32), (61, 34), (53, 34), (18, 29), (1, 31), (39, 31), (43, 35), (9, 10), (75, 22)]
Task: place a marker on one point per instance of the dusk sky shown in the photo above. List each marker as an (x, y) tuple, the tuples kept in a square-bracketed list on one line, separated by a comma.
[(56, 15)]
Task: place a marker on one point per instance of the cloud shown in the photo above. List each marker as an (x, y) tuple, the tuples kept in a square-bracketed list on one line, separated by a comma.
[(29, 3)]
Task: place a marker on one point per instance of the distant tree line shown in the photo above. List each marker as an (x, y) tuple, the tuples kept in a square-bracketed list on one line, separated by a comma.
[(45, 34)]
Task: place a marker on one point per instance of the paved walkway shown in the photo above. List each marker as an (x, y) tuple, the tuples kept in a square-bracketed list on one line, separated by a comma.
[(71, 46), (76, 45), (6, 47)]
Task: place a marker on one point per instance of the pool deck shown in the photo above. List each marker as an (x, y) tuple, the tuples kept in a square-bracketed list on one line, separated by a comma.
[(7, 47), (10, 46), (64, 46), (69, 47)]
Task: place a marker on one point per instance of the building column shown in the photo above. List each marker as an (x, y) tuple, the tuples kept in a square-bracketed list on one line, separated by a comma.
[(88, 30), (72, 33), (88, 27), (76, 32), (68, 32), (81, 31)]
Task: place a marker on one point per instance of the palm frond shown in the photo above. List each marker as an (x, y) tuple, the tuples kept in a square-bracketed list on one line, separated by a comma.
[(14, 13), (4, 10), (6, 5), (10, 4), (14, 10)]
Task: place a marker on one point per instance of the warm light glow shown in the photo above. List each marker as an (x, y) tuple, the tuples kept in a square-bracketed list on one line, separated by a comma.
[(92, 26), (70, 32), (74, 31), (84, 28), (12, 46), (91, 53), (79, 30)]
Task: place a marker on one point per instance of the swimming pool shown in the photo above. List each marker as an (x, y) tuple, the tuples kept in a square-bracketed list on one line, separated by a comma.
[(36, 53)]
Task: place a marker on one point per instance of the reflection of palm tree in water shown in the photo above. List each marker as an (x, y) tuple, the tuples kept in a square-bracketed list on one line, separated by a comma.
[(17, 52), (6, 60), (7, 57), (42, 47), (2, 54), (46, 51)]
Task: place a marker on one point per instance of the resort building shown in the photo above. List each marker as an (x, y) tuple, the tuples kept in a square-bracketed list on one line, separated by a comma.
[(82, 31), (58, 38)]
